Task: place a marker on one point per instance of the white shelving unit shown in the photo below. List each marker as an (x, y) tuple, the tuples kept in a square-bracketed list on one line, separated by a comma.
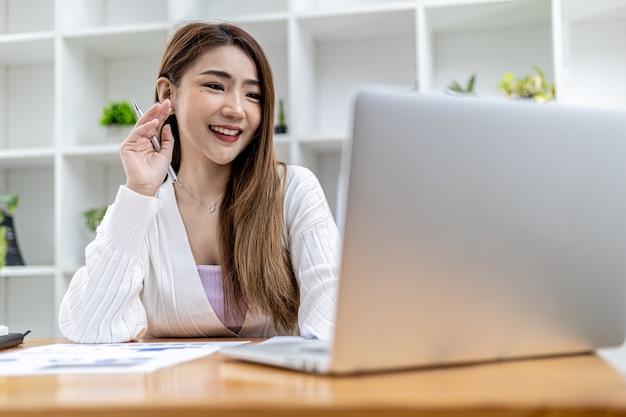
[(62, 60)]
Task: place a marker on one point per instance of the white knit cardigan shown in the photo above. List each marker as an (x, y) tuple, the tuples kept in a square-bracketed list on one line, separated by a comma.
[(140, 278)]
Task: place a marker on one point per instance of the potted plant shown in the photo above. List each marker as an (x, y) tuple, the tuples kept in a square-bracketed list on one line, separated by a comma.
[(533, 87), (118, 117), (456, 88), (9, 250), (93, 217)]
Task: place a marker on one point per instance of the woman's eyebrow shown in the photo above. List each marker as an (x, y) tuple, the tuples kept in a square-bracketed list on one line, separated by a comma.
[(224, 74)]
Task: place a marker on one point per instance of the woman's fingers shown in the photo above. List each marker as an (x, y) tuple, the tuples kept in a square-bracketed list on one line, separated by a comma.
[(146, 167), (147, 129), (167, 140), (160, 111)]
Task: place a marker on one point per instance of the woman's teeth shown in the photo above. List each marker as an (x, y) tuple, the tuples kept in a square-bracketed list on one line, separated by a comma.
[(223, 131)]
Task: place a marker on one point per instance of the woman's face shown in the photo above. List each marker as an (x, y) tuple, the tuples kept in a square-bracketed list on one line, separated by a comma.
[(218, 105)]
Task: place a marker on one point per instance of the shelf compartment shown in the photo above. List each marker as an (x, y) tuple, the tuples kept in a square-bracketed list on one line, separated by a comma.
[(335, 54), (16, 16), (283, 151), (34, 217), (18, 297), (27, 105), (487, 39), (101, 66), (590, 53), (323, 158), (89, 181)]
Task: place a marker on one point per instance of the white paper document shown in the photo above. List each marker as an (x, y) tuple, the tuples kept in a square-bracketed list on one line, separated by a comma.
[(113, 358), (285, 339), (616, 357)]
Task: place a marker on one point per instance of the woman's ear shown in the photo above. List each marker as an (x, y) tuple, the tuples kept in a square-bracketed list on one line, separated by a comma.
[(165, 90)]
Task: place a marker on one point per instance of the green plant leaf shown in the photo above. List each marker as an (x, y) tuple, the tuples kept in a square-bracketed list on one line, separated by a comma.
[(539, 72), (93, 217), (470, 83), (9, 202), (531, 86), (455, 86), (118, 113), (281, 113)]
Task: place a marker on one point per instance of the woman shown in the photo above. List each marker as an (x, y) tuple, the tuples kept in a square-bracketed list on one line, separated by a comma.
[(239, 244)]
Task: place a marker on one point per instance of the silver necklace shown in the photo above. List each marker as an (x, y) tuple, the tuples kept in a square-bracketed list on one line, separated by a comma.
[(210, 208)]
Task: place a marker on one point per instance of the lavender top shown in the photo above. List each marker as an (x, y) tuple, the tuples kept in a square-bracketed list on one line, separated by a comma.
[(211, 278)]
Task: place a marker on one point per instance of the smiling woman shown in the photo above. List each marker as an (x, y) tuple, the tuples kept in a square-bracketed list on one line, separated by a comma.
[(247, 246)]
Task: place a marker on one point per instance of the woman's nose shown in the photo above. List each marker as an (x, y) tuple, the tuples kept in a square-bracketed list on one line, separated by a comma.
[(233, 107)]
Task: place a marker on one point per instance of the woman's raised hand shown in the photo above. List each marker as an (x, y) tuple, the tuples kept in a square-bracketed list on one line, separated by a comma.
[(145, 167)]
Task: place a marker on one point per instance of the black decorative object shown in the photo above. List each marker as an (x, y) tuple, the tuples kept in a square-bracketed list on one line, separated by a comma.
[(9, 249), (14, 256), (281, 125)]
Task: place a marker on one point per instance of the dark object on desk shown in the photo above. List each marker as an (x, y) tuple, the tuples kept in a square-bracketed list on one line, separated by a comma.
[(12, 339)]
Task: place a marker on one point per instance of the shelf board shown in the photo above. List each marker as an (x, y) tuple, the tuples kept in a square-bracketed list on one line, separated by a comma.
[(27, 271), (69, 271), (24, 157), (322, 142), (121, 41), (282, 138), (106, 152), (26, 48)]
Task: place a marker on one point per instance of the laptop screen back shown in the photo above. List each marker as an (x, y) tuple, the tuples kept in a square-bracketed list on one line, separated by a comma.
[(479, 229)]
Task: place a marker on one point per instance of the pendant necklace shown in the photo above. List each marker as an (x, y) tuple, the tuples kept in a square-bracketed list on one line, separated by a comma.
[(210, 208)]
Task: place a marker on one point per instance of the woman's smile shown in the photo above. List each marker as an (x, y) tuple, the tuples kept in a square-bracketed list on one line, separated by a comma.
[(226, 133)]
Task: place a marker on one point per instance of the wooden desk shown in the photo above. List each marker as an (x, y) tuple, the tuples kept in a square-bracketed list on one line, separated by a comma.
[(216, 386)]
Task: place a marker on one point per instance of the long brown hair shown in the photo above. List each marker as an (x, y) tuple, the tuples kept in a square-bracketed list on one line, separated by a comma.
[(255, 264)]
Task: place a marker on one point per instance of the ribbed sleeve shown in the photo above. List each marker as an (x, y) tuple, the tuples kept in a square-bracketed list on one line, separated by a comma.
[(314, 244), (102, 304)]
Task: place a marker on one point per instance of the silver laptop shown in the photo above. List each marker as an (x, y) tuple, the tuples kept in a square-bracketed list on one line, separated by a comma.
[(475, 230)]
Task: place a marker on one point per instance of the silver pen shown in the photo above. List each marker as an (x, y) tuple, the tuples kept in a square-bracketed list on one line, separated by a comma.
[(155, 143)]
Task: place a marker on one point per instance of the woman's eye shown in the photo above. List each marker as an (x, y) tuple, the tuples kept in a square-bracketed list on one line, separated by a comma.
[(214, 86), (254, 96)]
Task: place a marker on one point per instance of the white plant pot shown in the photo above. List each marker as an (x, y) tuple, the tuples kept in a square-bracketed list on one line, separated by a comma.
[(117, 133)]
